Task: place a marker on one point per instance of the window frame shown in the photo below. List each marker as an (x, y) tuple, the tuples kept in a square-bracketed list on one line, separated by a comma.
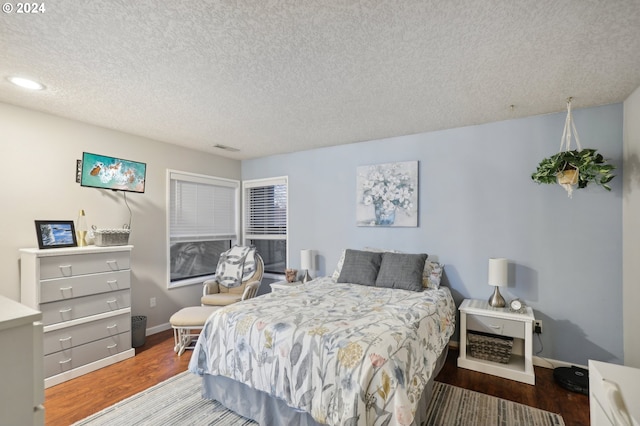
[(255, 183)]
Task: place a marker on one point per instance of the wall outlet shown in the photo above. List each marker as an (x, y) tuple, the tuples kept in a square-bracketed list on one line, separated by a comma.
[(152, 302), (537, 326)]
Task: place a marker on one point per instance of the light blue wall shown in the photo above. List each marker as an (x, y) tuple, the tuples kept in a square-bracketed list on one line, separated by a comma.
[(477, 200)]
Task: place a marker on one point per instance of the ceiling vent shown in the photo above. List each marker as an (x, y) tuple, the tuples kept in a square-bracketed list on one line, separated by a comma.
[(226, 148)]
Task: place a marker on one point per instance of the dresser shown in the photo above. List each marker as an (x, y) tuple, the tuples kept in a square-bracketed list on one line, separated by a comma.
[(84, 294), (614, 392), (477, 315), (22, 386)]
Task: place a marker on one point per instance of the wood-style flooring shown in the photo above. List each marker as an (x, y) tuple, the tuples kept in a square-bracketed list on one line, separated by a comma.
[(154, 362)]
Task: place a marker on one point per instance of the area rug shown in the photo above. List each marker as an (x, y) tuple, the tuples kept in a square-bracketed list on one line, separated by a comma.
[(177, 401)]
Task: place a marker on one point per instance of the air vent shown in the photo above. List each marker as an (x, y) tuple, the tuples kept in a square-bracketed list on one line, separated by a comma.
[(226, 148)]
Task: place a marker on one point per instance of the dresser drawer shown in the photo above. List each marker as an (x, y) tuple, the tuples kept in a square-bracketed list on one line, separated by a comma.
[(81, 334), (83, 285), (80, 307), (82, 264), (499, 326), (78, 356)]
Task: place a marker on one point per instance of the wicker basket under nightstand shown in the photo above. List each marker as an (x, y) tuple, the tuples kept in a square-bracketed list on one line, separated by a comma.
[(489, 346)]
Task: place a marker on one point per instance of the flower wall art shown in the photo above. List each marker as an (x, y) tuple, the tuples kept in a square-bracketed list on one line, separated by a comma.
[(387, 194)]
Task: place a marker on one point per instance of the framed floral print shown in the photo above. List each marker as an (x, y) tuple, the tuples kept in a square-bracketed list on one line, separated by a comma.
[(387, 194)]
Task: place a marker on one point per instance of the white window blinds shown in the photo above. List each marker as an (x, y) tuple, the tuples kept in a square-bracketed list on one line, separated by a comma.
[(265, 209), (202, 208)]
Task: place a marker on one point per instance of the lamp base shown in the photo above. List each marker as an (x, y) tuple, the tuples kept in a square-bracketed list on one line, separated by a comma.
[(496, 300), (306, 277)]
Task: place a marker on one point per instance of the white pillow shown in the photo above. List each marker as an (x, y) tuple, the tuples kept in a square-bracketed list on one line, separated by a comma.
[(336, 273), (432, 274)]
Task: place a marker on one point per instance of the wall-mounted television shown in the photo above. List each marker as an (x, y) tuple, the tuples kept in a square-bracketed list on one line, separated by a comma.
[(101, 171)]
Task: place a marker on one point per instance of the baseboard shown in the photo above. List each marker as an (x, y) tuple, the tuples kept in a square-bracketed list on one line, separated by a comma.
[(554, 363), (537, 360), (158, 329)]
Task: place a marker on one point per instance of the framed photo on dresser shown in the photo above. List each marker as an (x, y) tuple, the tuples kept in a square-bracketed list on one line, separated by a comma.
[(56, 233)]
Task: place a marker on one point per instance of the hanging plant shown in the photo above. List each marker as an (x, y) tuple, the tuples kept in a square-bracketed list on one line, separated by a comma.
[(573, 168)]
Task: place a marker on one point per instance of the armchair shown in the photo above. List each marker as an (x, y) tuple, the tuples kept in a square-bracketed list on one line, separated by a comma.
[(217, 294)]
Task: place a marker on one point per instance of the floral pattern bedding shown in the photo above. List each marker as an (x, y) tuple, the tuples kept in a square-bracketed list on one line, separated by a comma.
[(348, 354)]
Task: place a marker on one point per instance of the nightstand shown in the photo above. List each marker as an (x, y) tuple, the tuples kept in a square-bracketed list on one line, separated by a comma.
[(283, 285), (477, 315)]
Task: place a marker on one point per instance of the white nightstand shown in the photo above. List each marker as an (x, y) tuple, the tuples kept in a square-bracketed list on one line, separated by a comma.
[(283, 285), (477, 315)]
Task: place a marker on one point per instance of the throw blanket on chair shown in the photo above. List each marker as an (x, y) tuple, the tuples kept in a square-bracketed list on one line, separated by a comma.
[(236, 265)]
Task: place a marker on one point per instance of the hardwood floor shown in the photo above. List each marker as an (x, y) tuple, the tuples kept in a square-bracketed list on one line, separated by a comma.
[(76, 399)]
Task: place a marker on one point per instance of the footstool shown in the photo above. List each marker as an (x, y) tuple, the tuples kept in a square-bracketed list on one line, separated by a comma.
[(187, 323)]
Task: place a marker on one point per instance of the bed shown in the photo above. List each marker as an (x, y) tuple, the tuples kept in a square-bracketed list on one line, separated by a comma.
[(327, 352)]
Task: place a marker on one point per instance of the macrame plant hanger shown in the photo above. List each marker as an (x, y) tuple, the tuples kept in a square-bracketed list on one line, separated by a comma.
[(565, 145)]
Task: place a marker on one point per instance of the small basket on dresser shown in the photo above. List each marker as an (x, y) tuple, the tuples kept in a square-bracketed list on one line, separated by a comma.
[(111, 237), (490, 347)]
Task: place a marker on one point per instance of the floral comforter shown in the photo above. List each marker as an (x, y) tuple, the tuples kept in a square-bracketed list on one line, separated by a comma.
[(348, 354)]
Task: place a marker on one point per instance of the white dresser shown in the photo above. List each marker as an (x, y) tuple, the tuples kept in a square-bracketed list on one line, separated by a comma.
[(84, 295), (22, 385), (614, 394)]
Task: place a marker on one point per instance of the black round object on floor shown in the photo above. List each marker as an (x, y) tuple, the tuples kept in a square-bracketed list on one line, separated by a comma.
[(574, 378)]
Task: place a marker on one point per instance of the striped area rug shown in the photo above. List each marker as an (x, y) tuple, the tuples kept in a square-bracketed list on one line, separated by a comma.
[(177, 401)]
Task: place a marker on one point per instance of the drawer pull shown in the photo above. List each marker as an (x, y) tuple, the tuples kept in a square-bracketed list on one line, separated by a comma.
[(112, 301), (64, 311), (66, 288), (111, 327), (112, 282), (113, 264), (65, 362), (112, 346), (495, 327), (617, 407), (66, 339), (65, 270)]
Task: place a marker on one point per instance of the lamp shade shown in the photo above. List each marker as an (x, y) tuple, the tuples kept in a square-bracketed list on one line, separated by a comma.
[(498, 272), (306, 259)]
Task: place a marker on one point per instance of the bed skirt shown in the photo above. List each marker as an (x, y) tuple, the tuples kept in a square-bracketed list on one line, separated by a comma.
[(267, 410)]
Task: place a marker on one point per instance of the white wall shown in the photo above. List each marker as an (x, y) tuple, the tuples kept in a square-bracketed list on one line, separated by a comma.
[(631, 234), (477, 200), (38, 153)]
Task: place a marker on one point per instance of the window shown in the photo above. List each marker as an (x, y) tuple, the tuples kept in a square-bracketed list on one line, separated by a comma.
[(265, 220), (202, 223)]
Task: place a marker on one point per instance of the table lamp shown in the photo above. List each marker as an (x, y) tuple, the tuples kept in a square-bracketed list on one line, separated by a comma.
[(306, 263), (497, 278)]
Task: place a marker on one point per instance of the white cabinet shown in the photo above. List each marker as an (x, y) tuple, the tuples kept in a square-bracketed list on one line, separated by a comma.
[(477, 315), (84, 294), (283, 285), (614, 392), (22, 385)]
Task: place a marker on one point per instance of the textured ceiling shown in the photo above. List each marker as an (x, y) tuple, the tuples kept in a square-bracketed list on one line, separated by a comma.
[(276, 76)]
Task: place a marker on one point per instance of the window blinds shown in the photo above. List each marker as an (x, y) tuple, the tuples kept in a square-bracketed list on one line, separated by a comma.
[(265, 209), (202, 208)]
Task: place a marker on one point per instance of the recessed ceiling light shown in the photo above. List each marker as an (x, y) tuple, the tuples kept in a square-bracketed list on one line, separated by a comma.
[(26, 83)]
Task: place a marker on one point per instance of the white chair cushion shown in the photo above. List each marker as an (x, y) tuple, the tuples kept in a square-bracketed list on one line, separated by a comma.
[(192, 316)]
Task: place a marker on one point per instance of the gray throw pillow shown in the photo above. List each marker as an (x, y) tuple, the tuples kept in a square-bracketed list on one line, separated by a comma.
[(399, 270), (360, 267)]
